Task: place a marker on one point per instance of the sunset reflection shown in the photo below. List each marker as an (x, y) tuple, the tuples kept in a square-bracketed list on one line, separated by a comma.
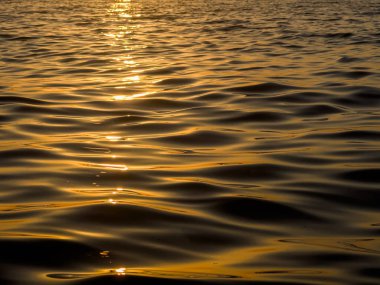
[(188, 142), (130, 97)]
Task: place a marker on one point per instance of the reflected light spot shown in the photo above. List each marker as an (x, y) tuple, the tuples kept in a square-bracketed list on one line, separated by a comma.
[(129, 62), (125, 15), (104, 253), (134, 78), (112, 201), (90, 234), (130, 97), (121, 271), (113, 138), (121, 167), (120, 97)]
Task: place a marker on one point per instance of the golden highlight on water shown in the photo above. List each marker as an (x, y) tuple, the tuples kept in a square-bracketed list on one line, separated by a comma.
[(189, 142)]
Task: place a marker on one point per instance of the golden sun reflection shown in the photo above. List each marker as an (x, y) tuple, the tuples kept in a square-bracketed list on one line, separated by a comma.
[(131, 79), (121, 271), (129, 61), (121, 167), (123, 9), (113, 138), (112, 201), (130, 97), (104, 253)]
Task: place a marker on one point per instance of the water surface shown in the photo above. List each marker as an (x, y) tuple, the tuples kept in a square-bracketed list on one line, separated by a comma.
[(189, 142)]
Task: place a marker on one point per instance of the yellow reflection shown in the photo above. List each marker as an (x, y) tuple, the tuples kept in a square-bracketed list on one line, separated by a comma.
[(121, 271), (112, 201), (90, 234), (104, 253), (121, 167), (113, 138), (135, 78), (130, 97), (122, 8), (129, 61)]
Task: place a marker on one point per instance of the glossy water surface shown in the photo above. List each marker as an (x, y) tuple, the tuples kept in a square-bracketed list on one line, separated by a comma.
[(189, 142)]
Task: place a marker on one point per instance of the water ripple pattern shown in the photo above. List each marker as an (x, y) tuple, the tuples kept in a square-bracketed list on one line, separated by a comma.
[(189, 142)]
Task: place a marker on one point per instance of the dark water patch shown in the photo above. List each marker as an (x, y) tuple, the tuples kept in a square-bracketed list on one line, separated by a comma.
[(371, 272), (94, 62), (345, 74), (14, 60), (362, 175), (32, 193), (319, 110), (247, 172), (152, 128), (300, 97), (125, 119), (148, 277), (28, 153), (269, 87), (214, 97), (260, 116), (164, 71), (162, 104), (125, 215), (49, 253), (302, 159), (150, 281), (349, 135), (191, 189), (22, 100), (55, 120), (6, 36), (22, 38), (259, 210), (25, 109), (47, 129), (337, 194), (6, 119), (177, 81), (79, 70), (275, 145), (207, 239), (322, 259), (328, 35), (348, 59), (200, 138), (363, 97)]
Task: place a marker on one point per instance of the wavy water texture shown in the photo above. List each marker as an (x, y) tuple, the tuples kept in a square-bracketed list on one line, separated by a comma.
[(189, 142)]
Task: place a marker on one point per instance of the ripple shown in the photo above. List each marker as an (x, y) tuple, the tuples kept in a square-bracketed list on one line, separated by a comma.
[(319, 110), (200, 138), (247, 172), (268, 87), (177, 81), (363, 175), (263, 116), (258, 210)]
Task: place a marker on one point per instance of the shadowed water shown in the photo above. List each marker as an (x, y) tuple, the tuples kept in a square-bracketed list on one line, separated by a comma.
[(189, 142)]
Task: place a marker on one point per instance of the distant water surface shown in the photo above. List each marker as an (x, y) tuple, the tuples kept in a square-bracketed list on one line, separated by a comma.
[(189, 142)]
